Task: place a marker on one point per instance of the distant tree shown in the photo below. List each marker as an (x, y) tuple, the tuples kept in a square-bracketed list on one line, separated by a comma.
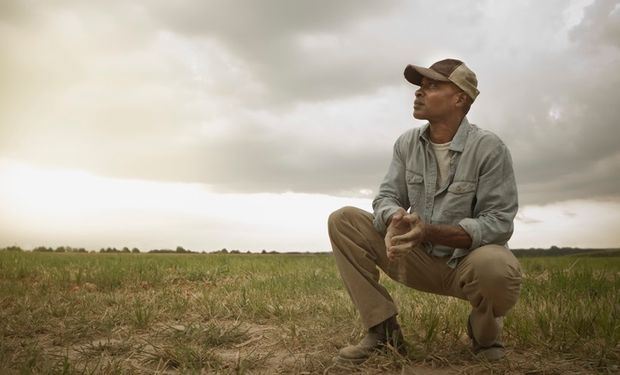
[(109, 250), (180, 249), (125, 249), (60, 249), (135, 250), (161, 251)]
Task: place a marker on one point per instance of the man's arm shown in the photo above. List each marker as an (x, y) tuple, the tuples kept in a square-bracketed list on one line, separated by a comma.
[(448, 235), (496, 201), (392, 194)]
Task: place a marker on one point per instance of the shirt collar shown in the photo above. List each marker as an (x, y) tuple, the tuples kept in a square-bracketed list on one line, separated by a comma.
[(458, 142)]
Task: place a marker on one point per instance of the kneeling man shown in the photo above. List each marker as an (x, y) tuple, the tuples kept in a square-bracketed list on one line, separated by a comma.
[(442, 218)]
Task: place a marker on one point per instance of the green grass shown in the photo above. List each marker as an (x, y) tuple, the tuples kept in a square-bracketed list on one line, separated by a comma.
[(77, 313)]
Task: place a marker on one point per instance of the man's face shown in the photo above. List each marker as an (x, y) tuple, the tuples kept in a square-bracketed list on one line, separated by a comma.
[(436, 100)]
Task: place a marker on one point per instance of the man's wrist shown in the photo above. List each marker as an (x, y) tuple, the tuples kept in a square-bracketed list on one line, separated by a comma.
[(390, 216), (447, 235), (425, 228), (432, 232)]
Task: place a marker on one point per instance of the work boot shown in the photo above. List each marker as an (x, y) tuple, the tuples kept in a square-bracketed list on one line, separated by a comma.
[(380, 337), (491, 353)]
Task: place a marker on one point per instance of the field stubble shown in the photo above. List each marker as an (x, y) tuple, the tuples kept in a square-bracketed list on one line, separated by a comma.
[(250, 313)]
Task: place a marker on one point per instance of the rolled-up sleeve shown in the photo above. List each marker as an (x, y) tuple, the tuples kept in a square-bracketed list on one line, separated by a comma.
[(496, 201), (393, 190)]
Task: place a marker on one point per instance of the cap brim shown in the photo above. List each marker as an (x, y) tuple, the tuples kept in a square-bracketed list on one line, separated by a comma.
[(415, 73)]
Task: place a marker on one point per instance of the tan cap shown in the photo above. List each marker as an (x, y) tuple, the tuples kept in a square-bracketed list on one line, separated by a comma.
[(448, 70)]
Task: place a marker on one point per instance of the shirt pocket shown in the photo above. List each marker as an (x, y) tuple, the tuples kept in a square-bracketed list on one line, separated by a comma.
[(460, 199), (415, 187)]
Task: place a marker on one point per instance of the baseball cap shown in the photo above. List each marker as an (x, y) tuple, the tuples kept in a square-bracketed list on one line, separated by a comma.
[(448, 70)]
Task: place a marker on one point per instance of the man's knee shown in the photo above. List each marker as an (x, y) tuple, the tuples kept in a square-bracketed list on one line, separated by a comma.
[(341, 215), (498, 276), (494, 262)]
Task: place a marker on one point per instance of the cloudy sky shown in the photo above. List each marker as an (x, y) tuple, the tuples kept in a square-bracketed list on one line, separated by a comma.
[(243, 124)]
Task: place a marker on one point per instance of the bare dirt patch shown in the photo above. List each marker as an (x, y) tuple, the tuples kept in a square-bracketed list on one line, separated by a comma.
[(245, 347)]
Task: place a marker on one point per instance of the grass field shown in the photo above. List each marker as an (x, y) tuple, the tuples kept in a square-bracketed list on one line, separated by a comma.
[(248, 313)]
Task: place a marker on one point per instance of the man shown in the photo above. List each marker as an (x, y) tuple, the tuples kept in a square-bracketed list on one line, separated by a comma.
[(458, 184)]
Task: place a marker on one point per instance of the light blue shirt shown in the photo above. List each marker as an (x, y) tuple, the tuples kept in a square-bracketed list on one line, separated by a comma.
[(480, 193)]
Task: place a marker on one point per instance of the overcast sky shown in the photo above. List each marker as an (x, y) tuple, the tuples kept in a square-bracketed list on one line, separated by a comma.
[(214, 124)]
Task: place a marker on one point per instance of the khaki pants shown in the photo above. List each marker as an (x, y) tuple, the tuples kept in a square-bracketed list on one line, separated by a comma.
[(489, 277)]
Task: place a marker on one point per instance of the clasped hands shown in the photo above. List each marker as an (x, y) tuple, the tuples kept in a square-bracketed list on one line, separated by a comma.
[(404, 233)]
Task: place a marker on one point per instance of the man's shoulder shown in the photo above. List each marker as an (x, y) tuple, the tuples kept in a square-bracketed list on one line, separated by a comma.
[(486, 137), (408, 141), (410, 135)]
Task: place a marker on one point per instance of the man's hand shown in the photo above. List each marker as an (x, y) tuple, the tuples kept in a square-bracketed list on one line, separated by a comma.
[(404, 233)]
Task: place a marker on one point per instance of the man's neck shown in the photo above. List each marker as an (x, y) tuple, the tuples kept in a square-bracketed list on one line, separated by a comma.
[(443, 131)]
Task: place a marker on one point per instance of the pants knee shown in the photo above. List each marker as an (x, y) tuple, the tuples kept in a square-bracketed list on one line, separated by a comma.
[(341, 215), (499, 279)]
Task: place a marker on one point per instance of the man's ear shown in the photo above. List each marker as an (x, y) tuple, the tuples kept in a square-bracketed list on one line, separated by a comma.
[(461, 99), (464, 101)]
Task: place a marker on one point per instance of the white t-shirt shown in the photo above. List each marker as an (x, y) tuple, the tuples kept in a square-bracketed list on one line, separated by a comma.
[(442, 154)]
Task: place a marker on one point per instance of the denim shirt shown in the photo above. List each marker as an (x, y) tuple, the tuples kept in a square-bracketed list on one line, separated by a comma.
[(480, 194)]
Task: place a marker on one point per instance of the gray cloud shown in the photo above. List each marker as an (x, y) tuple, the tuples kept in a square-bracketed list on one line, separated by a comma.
[(296, 51), (306, 97), (600, 26), (565, 144), (526, 219)]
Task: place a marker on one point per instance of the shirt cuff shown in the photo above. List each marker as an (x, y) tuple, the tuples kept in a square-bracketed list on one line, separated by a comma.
[(472, 227), (381, 219)]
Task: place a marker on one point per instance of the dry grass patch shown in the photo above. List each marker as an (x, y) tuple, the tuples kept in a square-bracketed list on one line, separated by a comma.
[(236, 314)]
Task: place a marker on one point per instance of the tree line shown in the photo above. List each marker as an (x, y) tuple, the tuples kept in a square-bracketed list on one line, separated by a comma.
[(531, 252), (178, 250)]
